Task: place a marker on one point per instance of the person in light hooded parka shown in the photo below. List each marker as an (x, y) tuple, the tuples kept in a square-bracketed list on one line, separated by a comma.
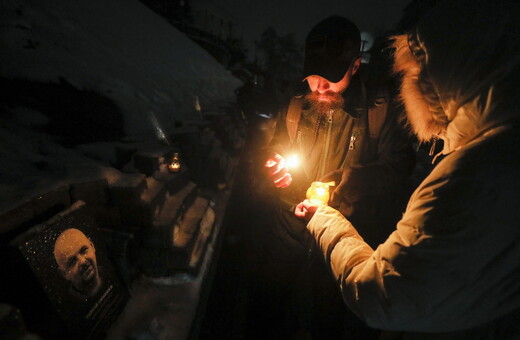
[(452, 265)]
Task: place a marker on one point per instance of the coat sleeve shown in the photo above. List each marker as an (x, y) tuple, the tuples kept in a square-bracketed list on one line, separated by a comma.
[(438, 270)]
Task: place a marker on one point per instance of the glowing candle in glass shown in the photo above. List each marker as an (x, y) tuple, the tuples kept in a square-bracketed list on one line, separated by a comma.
[(318, 192), (175, 164)]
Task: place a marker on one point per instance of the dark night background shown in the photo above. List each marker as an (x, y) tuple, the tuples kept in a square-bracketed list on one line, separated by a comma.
[(85, 83)]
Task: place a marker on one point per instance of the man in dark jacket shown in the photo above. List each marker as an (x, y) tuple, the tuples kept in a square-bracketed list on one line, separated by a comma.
[(342, 130)]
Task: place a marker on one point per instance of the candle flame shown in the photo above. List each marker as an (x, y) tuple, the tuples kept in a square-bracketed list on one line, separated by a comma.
[(320, 191), (293, 161), (175, 164)]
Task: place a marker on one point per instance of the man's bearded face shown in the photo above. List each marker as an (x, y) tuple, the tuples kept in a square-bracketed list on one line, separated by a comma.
[(326, 95), (324, 102)]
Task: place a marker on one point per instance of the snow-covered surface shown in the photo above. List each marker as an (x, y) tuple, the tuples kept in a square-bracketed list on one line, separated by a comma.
[(119, 49)]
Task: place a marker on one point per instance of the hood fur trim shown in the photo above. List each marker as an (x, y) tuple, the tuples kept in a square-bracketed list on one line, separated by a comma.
[(420, 118)]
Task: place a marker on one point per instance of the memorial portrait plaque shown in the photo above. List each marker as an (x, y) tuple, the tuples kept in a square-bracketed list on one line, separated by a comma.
[(70, 261)]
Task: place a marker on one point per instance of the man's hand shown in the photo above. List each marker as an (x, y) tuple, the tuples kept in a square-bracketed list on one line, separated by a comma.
[(306, 209), (277, 171)]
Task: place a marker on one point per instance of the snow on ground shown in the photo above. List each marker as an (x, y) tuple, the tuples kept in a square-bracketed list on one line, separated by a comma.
[(119, 49)]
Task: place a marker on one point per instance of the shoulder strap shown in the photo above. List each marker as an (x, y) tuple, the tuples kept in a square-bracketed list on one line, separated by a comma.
[(293, 117), (377, 112)]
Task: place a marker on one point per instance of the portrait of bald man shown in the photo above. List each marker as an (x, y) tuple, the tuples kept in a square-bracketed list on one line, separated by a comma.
[(75, 256)]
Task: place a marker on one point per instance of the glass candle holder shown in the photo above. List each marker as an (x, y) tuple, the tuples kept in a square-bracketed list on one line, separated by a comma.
[(175, 164), (318, 192)]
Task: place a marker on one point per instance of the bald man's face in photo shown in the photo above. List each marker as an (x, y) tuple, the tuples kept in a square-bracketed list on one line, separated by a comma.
[(76, 258)]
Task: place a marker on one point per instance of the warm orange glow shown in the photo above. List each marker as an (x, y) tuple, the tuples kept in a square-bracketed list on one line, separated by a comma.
[(270, 163), (318, 192), (175, 165), (321, 192), (293, 161)]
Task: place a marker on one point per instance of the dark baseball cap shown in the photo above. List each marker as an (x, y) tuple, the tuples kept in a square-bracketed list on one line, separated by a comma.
[(330, 48)]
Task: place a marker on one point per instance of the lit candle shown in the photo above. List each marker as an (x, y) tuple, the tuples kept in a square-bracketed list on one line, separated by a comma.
[(318, 192), (293, 161), (175, 164)]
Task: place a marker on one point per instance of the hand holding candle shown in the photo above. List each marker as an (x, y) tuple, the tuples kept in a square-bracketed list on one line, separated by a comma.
[(317, 195), (306, 209), (278, 171)]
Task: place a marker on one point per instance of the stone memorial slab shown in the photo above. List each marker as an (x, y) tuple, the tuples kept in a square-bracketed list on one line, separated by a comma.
[(68, 258)]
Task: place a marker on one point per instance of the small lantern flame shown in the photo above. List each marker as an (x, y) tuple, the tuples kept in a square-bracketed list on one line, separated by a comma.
[(175, 164), (318, 192), (293, 161)]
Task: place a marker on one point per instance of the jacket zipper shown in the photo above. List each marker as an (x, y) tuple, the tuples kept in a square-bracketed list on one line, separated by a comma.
[(327, 143), (351, 145), (353, 138)]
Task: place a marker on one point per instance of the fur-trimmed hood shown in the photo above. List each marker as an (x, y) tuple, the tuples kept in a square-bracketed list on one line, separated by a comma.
[(457, 86)]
